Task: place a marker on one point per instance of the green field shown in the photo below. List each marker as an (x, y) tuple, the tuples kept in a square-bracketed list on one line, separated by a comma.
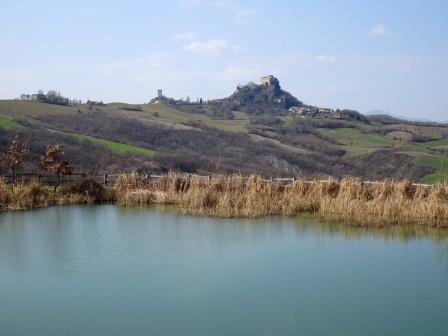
[(166, 114), (7, 124), (440, 144), (115, 147), (355, 142), (440, 163)]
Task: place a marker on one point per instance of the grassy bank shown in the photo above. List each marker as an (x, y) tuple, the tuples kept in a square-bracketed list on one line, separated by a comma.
[(349, 201), (35, 195)]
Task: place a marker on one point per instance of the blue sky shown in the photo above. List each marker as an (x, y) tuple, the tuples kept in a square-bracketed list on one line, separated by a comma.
[(365, 55)]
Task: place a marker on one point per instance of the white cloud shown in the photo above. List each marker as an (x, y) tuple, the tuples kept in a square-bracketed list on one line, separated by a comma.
[(379, 30), (238, 72), (240, 13), (194, 44), (206, 47), (151, 62), (237, 49), (185, 36), (325, 58)]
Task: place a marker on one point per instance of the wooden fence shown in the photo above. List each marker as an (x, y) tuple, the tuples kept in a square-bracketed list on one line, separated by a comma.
[(108, 180)]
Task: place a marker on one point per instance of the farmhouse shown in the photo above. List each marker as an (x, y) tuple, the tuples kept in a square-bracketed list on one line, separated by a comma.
[(324, 110), (38, 96)]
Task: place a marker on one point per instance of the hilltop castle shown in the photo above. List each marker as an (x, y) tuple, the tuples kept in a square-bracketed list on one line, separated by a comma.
[(266, 80)]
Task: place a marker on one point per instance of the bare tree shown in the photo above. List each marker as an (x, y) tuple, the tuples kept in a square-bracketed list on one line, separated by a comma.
[(53, 161), (14, 156)]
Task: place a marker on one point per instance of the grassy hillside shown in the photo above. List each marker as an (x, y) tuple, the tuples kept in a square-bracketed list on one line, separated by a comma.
[(440, 144), (113, 146), (7, 124), (355, 142), (269, 143), (17, 109), (440, 164), (161, 113)]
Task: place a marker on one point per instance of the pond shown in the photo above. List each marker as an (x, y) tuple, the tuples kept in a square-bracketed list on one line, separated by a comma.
[(107, 270)]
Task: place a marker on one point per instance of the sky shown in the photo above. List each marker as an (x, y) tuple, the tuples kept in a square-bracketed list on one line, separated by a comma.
[(389, 56)]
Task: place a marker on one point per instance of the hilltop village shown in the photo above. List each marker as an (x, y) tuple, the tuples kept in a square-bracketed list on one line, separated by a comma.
[(266, 97)]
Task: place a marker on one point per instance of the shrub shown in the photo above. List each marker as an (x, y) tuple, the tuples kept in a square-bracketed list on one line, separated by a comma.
[(28, 195), (92, 190)]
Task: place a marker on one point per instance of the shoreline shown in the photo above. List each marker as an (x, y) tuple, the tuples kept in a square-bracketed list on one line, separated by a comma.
[(349, 201)]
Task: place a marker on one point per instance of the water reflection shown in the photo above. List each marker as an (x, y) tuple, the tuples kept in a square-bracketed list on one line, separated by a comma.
[(386, 233), (62, 240), (117, 271), (304, 224)]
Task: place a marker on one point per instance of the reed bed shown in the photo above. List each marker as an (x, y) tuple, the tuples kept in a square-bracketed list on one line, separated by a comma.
[(29, 195), (350, 200)]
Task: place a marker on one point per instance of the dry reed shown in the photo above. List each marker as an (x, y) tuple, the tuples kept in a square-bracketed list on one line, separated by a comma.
[(350, 201), (29, 195)]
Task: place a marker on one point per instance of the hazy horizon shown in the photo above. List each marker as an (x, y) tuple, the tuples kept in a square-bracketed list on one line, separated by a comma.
[(340, 54)]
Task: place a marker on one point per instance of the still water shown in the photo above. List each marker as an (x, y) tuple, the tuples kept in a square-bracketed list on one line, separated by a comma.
[(106, 270)]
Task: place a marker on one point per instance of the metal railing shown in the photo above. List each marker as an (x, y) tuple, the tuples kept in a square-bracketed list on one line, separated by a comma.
[(108, 180)]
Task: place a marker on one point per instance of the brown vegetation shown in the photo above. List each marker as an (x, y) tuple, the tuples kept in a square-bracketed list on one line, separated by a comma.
[(34, 195), (14, 156), (350, 201), (198, 148), (52, 160)]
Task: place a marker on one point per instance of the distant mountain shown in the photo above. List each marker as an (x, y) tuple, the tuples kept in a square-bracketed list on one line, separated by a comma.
[(385, 113)]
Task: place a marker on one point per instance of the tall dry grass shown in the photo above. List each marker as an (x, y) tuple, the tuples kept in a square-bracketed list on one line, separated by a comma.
[(29, 195), (350, 201), (22, 195)]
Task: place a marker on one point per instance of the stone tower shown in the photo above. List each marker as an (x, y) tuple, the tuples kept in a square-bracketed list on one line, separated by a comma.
[(266, 80)]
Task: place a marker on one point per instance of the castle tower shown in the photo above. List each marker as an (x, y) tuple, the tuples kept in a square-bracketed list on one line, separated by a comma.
[(159, 93), (266, 80)]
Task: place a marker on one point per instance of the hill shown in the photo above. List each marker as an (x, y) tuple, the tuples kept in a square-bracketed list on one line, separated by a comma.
[(258, 129)]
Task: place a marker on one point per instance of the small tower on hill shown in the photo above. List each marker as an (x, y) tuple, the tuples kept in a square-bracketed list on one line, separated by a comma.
[(266, 80)]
